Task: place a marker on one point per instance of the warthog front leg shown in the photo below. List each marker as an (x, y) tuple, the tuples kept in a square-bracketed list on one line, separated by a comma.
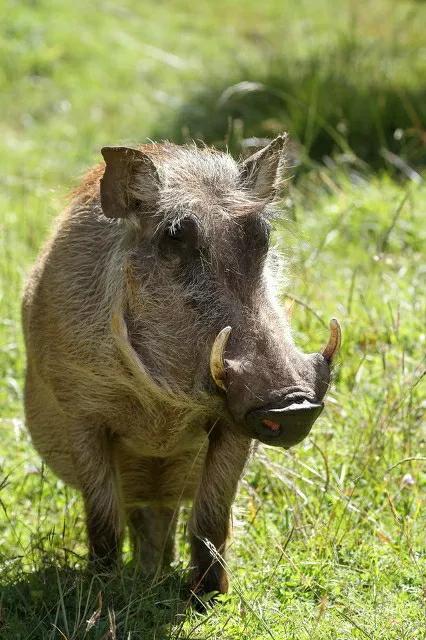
[(210, 518), (105, 535), (100, 486)]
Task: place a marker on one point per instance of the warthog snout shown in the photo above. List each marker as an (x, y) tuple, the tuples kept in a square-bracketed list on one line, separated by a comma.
[(286, 425), (278, 396)]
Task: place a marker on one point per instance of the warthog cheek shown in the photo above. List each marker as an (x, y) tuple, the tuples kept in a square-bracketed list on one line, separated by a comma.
[(270, 424)]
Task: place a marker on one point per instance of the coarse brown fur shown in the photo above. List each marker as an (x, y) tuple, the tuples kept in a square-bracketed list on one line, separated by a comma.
[(119, 316)]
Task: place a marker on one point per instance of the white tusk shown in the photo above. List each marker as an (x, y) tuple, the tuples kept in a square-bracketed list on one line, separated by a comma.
[(334, 341), (217, 365)]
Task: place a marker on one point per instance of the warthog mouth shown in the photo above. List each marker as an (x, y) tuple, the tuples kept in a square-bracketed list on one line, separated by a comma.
[(283, 426)]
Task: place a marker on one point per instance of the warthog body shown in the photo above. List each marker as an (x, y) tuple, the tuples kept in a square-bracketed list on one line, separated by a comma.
[(160, 249)]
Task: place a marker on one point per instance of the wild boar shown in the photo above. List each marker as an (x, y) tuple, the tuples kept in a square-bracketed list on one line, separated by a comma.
[(157, 352)]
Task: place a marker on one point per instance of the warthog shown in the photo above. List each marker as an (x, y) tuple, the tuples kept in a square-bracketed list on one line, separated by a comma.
[(157, 350)]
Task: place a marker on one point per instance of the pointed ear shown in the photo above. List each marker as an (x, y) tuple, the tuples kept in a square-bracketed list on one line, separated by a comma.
[(260, 171), (130, 180)]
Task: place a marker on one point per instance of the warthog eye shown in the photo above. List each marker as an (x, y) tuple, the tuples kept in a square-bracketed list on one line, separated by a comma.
[(180, 239), (176, 233), (263, 233)]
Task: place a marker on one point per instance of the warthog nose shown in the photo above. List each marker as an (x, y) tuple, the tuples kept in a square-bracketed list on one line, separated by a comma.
[(283, 426)]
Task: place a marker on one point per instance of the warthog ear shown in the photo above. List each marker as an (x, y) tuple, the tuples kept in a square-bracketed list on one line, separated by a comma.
[(130, 181), (260, 171)]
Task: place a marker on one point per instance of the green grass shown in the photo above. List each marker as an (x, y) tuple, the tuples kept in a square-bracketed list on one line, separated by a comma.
[(329, 538)]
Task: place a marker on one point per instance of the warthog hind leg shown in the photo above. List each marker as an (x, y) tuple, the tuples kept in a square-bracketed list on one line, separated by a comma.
[(152, 533)]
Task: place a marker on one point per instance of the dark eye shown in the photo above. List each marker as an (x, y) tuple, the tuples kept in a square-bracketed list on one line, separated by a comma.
[(260, 234), (180, 239), (176, 233)]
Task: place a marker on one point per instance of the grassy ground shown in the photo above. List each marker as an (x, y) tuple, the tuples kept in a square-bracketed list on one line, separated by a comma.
[(329, 538)]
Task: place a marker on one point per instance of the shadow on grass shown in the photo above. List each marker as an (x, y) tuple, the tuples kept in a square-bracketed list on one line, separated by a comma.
[(57, 602), (340, 102)]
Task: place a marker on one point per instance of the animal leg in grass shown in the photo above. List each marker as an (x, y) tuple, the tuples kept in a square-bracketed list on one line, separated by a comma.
[(210, 519), (100, 486), (152, 533)]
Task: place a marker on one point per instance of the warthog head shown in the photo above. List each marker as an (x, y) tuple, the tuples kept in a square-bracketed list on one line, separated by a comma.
[(201, 282)]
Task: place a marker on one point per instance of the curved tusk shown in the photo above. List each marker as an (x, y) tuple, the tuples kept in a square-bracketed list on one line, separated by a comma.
[(217, 365), (334, 341)]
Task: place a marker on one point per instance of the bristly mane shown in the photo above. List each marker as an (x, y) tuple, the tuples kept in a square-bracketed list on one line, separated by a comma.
[(193, 178)]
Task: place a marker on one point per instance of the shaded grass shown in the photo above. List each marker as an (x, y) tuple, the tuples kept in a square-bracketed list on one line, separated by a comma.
[(329, 538), (341, 102)]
